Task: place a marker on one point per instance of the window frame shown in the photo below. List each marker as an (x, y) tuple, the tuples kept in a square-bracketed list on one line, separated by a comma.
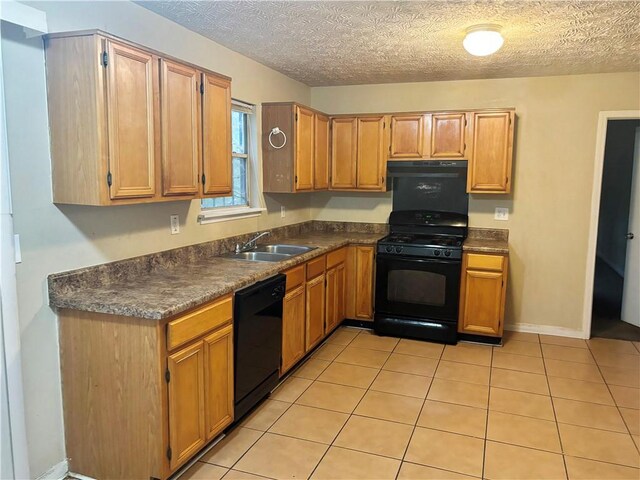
[(227, 213)]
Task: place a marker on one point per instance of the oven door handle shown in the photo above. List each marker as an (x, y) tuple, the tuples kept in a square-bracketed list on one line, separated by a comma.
[(384, 256)]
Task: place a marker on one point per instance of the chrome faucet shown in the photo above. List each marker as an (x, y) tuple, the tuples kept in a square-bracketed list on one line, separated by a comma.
[(251, 244)]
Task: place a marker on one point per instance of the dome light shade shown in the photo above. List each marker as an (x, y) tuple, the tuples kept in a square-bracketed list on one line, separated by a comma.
[(483, 40)]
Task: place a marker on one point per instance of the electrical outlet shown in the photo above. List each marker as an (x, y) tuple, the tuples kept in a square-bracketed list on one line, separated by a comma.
[(175, 224), (502, 213), (282, 211)]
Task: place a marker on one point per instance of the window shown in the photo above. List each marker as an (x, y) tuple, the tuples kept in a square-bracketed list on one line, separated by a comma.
[(239, 203)]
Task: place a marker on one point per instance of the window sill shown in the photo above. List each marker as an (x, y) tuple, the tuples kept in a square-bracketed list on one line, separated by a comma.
[(228, 214)]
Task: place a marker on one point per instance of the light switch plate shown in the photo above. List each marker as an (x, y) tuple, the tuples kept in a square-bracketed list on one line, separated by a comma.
[(175, 224), (282, 211), (502, 213)]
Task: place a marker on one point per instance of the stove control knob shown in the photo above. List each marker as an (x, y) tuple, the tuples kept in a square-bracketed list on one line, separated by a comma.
[(447, 253), (436, 253), (398, 249), (388, 249)]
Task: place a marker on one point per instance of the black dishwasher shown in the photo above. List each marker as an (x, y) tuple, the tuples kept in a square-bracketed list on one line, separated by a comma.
[(257, 322)]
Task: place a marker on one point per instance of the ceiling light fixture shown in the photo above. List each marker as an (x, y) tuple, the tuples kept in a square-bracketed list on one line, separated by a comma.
[(483, 40)]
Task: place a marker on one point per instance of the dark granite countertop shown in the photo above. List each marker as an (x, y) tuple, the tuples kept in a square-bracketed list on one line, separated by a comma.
[(161, 289), (487, 240)]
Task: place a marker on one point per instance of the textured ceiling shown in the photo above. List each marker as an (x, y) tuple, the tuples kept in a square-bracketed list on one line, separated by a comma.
[(347, 42)]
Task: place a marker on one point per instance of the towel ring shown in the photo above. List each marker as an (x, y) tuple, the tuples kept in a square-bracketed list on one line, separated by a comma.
[(276, 131)]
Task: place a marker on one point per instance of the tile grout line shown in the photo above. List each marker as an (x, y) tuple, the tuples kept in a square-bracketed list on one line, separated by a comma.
[(406, 449), (486, 423), (555, 416)]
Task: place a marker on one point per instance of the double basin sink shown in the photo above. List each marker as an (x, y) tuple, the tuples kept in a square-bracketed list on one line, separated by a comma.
[(271, 253)]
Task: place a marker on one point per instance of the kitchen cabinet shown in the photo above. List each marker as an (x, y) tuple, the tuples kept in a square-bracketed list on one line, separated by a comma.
[(360, 282), (344, 143), (186, 403), (407, 137), (315, 302), (216, 131), (180, 125), (304, 154), (482, 294), (335, 311), (167, 383), (448, 135), (358, 153), (131, 125), (293, 318), (321, 150), (371, 164), (491, 152)]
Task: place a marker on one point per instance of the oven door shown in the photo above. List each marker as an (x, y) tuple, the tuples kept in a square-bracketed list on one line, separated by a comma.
[(416, 287)]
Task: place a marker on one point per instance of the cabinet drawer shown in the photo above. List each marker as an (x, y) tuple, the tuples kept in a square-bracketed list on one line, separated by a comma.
[(198, 322), (485, 262), (336, 257), (295, 277), (315, 267)]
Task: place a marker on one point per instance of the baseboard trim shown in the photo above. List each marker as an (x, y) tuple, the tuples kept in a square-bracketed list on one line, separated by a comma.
[(57, 472), (545, 330)]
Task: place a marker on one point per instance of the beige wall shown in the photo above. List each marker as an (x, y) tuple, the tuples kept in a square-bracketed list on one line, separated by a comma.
[(553, 171), (56, 238)]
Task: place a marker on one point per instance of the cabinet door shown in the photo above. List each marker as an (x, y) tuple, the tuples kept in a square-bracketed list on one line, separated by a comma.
[(293, 325), (186, 403), (364, 264), (180, 128), (216, 135), (491, 153), (321, 153), (335, 296), (448, 135), (131, 111), (330, 304), (482, 294), (304, 149), (371, 155), (218, 375), (407, 136), (343, 153), (315, 312)]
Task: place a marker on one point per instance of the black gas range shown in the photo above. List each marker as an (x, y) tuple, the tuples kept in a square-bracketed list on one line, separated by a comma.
[(418, 270)]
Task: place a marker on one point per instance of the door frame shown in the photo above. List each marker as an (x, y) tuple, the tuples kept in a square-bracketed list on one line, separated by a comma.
[(601, 139)]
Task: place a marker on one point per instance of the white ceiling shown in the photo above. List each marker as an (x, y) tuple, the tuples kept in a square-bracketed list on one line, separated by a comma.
[(359, 42)]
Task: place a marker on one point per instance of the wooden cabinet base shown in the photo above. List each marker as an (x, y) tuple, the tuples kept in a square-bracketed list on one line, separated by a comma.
[(131, 408)]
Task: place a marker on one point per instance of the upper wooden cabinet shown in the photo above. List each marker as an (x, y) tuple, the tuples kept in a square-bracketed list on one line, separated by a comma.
[(448, 135), (294, 158), (305, 146), (216, 130), (359, 153), (131, 125), (322, 149), (344, 144), (407, 137), (180, 124), (491, 152)]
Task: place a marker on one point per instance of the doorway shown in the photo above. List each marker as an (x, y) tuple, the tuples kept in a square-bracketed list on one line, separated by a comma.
[(614, 309)]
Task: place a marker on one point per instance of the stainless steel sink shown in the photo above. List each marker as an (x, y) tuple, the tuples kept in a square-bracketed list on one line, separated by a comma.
[(271, 253), (284, 249), (259, 256)]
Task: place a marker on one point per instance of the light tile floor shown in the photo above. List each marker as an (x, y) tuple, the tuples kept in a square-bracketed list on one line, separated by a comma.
[(368, 407)]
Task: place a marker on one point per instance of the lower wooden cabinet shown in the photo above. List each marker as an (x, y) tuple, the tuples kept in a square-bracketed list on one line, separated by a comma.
[(142, 396), (315, 311), (293, 327), (335, 296), (360, 282), (186, 403), (482, 294)]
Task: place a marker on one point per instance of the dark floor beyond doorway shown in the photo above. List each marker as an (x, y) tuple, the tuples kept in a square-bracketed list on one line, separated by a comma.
[(607, 305)]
